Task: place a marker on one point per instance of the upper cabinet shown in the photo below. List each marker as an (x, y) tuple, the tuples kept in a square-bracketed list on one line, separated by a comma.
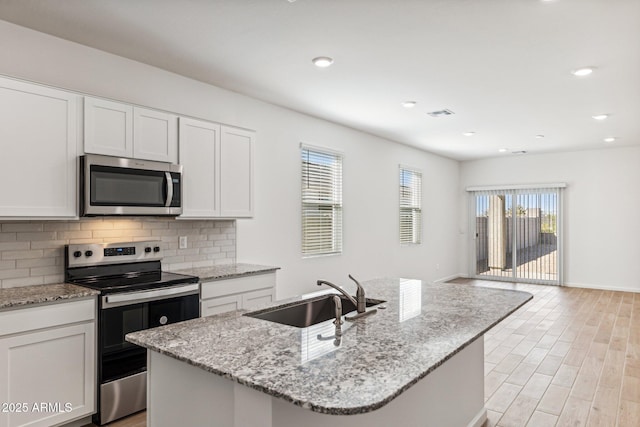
[(38, 166), (122, 130), (155, 135), (218, 170), (200, 158), (236, 172)]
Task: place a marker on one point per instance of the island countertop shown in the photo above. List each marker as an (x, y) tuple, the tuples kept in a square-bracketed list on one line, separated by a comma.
[(378, 357)]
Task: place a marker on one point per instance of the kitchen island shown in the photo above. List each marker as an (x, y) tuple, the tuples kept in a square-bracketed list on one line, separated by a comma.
[(417, 362)]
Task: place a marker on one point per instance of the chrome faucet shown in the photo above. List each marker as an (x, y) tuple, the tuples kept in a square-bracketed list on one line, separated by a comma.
[(359, 301)]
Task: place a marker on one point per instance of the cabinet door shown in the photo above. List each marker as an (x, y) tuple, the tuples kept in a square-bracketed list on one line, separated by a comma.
[(108, 127), (155, 135), (38, 165), (199, 150), (236, 172), (219, 305), (53, 367), (254, 299)]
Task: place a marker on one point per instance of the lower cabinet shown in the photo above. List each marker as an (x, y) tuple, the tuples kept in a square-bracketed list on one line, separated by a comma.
[(220, 296), (47, 356)]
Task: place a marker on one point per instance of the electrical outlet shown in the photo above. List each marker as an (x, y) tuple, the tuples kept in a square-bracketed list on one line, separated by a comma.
[(437, 267), (183, 242)]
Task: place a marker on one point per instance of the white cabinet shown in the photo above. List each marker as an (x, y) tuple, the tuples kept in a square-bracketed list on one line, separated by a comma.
[(220, 296), (47, 356), (200, 156), (218, 170), (155, 135), (108, 127), (38, 165), (236, 172), (122, 130)]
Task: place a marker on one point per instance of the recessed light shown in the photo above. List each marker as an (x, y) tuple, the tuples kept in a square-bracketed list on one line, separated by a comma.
[(409, 104), (539, 136), (609, 139), (600, 116), (581, 72), (502, 150), (322, 61), (469, 133)]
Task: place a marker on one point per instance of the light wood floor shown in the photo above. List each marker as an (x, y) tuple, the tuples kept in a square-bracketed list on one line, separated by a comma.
[(570, 357)]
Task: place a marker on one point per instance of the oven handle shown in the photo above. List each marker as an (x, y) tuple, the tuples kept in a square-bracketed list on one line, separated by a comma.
[(167, 177), (157, 294)]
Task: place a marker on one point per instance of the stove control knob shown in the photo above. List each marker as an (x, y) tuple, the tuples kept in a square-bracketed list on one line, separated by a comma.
[(88, 253), (147, 249), (156, 249), (77, 254)]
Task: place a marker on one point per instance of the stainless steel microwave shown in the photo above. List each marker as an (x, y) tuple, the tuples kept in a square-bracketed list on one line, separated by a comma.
[(119, 186)]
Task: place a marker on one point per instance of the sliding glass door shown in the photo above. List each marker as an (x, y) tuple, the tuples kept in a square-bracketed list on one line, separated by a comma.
[(517, 234)]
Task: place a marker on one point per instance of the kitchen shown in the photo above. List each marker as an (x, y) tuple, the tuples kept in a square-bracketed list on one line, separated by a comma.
[(596, 173)]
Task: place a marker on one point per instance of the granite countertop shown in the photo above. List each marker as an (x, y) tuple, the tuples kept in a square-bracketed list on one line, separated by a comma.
[(379, 356), (226, 271), (37, 294)]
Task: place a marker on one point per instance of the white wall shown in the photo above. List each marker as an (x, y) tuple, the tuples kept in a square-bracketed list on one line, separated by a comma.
[(371, 245), (602, 209)]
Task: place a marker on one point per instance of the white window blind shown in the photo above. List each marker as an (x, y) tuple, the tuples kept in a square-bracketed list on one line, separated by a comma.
[(410, 206), (321, 202)]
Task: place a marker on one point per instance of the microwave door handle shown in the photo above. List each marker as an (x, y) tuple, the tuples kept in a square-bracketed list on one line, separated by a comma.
[(167, 177)]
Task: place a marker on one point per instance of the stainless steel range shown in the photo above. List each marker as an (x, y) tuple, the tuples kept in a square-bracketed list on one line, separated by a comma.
[(135, 294)]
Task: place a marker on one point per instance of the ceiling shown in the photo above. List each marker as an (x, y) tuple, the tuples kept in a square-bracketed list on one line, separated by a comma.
[(502, 66)]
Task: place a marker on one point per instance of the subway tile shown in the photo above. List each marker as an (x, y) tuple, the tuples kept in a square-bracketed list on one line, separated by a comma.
[(96, 225), (26, 281), (8, 237), (14, 273), (14, 246), (38, 253), (45, 271), (21, 226), (35, 262), (79, 234), (48, 244), (54, 278), (61, 226), (43, 235), (7, 265)]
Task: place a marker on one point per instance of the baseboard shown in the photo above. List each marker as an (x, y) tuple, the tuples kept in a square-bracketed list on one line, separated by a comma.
[(447, 278), (599, 287), (479, 419)]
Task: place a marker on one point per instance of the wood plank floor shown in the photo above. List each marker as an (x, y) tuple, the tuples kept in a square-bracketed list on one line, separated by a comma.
[(570, 357)]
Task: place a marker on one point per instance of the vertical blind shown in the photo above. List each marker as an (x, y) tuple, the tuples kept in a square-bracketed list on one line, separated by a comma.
[(321, 202), (410, 206), (518, 233)]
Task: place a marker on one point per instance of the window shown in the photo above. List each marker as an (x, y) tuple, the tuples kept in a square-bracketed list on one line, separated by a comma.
[(321, 202), (410, 206)]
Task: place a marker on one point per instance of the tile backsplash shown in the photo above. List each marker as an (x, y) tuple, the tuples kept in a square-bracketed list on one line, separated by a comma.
[(31, 252)]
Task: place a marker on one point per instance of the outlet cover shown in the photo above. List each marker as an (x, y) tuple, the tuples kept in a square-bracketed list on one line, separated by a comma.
[(183, 242)]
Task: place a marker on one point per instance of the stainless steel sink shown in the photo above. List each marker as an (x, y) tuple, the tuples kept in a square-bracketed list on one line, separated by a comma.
[(308, 312)]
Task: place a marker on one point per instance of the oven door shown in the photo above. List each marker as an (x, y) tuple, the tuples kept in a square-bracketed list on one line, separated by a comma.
[(127, 312), (118, 186), (122, 365)]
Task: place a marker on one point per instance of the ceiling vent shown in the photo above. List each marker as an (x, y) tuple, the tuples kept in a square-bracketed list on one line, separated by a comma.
[(440, 113)]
